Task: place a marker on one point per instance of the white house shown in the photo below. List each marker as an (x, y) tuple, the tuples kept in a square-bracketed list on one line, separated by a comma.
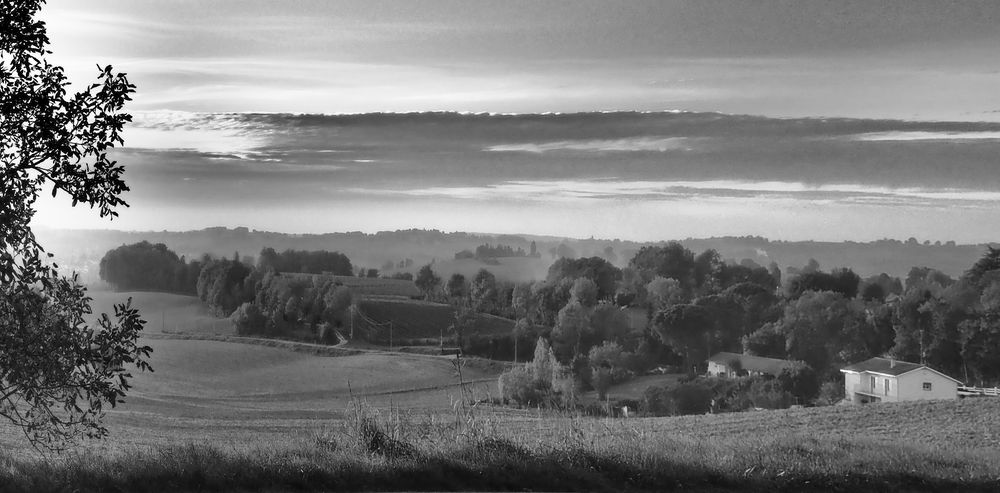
[(735, 364), (889, 380)]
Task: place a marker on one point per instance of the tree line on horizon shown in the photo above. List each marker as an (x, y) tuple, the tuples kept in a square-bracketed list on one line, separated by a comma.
[(488, 252)]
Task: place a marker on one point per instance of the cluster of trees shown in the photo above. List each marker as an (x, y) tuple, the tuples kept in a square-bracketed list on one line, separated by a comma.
[(544, 382), (931, 318), (403, 264), (487, 251), (224, 284), (284, 304), (695, 305), (310, 262), (265, 300), (146, 266), (953, 324), (698, 305), (717, 394)]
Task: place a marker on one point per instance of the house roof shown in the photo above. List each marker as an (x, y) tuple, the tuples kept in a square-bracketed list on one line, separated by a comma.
[(761, 364), (883, 365), (886, 366)]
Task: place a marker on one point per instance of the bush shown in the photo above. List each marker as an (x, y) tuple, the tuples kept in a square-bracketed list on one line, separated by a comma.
[(830, 393), (687, 398), (690, 398), (769, 394), (519, 385), (803, 383), (543, 382), (248, 319)]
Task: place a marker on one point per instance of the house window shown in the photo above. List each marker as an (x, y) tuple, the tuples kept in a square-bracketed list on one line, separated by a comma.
[(872, 387), (886, 386), (927, 385)]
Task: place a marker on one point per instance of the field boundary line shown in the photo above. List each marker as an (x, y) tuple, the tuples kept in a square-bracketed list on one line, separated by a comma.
[(297, 346), (317, 349)]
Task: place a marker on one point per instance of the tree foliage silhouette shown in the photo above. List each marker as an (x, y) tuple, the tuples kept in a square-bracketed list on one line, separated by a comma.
[(57, 373)]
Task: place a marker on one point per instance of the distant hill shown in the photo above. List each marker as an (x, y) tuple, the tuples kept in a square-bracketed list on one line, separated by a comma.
[(82, 250)]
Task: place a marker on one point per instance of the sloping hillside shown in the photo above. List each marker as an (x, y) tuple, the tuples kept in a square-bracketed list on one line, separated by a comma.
[(414, 320), (215, 379), (164, 312)]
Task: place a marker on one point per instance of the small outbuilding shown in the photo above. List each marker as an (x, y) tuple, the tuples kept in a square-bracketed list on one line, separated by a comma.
[(734, 365), (890, 380)]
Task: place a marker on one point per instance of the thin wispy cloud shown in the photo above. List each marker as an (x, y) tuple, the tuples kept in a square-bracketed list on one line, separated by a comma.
[(924, 135), (610, 189), (633, 144)]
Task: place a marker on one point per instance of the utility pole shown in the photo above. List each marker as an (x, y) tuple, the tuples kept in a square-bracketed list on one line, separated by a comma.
[(515, 348)]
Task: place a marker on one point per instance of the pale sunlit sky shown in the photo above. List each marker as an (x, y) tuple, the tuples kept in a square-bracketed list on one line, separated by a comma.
[(861, 58)]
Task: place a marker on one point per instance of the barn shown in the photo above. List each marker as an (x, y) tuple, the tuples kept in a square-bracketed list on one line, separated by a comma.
[(734, 364)]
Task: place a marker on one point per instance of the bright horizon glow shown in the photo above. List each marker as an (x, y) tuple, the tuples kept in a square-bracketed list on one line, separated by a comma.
[(584, 214)]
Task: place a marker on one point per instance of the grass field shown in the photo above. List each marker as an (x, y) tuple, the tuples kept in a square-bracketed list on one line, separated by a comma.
[(513, 269), (164, 312), (222, 416), (940, 446), (215, 379), (367, 286), (414, 320)]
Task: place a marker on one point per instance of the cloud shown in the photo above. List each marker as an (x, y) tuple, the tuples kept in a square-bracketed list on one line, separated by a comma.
[(589, 190), (215, 134), (905, 136), (632, 144)]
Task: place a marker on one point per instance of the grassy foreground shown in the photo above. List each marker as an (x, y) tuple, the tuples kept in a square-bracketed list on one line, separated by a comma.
[(475, 450)]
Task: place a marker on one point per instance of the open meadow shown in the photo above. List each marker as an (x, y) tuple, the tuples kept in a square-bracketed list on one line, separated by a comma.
[(223, 415), (163, 312)]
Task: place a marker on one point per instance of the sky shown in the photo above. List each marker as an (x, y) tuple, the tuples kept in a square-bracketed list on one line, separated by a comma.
[(872, 59), (197, 63)]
